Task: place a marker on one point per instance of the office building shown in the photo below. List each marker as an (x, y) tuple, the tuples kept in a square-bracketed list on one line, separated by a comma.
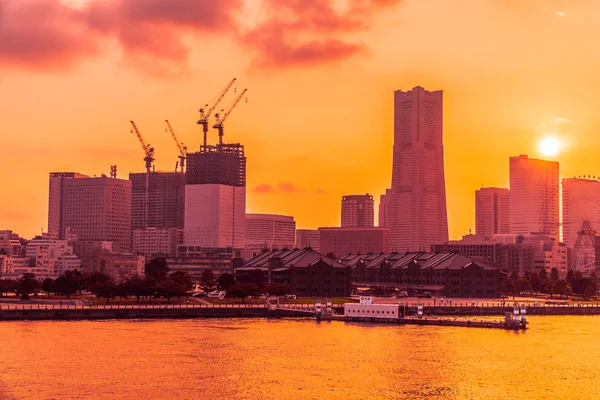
[(268, 231), (416, 202), (308, 238), (580, 202), (157, 242), (92, 208), (215, 216), (166, 196), (358, 211), (342, 241), (56, 200), (534, 196), (492, 209)]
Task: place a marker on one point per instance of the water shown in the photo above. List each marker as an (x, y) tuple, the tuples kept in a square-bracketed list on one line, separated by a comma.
[(558, 358)]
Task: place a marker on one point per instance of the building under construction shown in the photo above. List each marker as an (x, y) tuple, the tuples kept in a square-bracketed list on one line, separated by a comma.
[(166, 197), (223, 164)]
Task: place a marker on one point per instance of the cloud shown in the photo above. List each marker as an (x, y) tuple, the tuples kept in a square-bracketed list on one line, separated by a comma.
[(321, 191), (48, 33), (263, 188), (287, 187), (299, 32)]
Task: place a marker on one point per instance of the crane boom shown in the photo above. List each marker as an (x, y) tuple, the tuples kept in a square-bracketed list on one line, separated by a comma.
[(220, 119), (180, 146), (139, 136), (205, 114)]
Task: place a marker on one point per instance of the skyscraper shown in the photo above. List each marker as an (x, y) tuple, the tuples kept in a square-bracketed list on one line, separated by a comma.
[(55, 200), (416, 203), (358, 211), (166, 196), (92, 208), (492, 208), (534, 196), (581, 202)]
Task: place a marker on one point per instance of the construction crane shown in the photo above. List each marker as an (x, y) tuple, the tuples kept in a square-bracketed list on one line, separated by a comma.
[(182, 148), (220, 119), (205, 114), (149, 159)]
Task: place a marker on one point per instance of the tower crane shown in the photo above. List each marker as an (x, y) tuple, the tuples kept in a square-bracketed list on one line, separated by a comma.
[(205, 114), (220, 119), (149, 159), (182, 148)]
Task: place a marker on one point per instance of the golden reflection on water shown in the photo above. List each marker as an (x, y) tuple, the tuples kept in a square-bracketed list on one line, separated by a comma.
[(558, 358)]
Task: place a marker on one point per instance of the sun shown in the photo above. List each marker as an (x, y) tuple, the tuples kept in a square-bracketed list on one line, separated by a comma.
[(549, 146)]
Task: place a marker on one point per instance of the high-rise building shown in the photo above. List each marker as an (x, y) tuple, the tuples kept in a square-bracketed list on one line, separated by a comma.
[(222, 164), (215, 216), (55, 200), (268, 231), (91, 208), (492, 208), (342, 241), (580, 202), (308, 238), (358, 211), (383, 209), (157, 242), (416, 203), (534, 196), (166, 196)]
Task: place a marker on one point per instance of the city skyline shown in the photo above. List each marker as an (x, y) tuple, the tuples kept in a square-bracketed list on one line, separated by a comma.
[(487, 117)]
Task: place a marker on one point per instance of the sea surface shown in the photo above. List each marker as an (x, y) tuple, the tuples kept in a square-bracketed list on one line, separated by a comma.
[(557, 358)]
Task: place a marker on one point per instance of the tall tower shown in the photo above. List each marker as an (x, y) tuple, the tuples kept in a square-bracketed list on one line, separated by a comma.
[(358, 211), (416, 203), (492, 211), (56, 201), (534, 196), (581, 202)]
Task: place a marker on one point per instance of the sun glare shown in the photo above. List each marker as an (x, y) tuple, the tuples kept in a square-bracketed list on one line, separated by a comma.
[(549, 146)]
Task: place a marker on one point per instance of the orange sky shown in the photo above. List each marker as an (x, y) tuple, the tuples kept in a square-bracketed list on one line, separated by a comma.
[(320, 77)]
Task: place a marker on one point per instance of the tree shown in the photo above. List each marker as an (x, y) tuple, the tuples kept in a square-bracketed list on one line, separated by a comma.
[(508, 286), (104, 290), (570, 276), (207, 280), (543, 276), (536, 283), (48, 285), (549, 288), (225, 281), (562, 288), (277, 289), (514, 275), (523, 285), (589, 292), (27, 285), (137, 287), (255, 276), (184, 280), (243, 290), (7, 285), (554, 274), (66, 285), (157, 268), (170, 288)]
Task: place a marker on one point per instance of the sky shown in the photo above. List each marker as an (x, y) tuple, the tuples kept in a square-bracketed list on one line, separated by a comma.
[(317, 120)]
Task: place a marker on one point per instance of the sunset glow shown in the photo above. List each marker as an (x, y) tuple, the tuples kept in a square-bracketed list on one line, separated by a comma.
[(549, 146)]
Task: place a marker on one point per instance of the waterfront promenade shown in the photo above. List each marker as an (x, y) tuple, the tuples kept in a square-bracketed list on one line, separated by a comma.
[(18, 311)]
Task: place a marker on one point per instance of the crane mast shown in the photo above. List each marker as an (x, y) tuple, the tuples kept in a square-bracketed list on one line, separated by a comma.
[(182, 148), (149, 159), (205, 114), (221, 119)]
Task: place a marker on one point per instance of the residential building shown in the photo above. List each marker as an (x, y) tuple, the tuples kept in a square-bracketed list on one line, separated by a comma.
[(492, 210), (534, 196), (166, 196), (157, 242), (268, 231), (92, 208), (416, 202), (51, 257), (447, 274), (358, 211), (308, 238), (309, 274), (341, 241), (580, 202), (215, 216)]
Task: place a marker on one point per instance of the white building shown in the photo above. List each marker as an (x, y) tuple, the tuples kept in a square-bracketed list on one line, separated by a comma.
[(50, 257), (534, 196), (492, 209), (151, 242), (215, 216), (268, 231)]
